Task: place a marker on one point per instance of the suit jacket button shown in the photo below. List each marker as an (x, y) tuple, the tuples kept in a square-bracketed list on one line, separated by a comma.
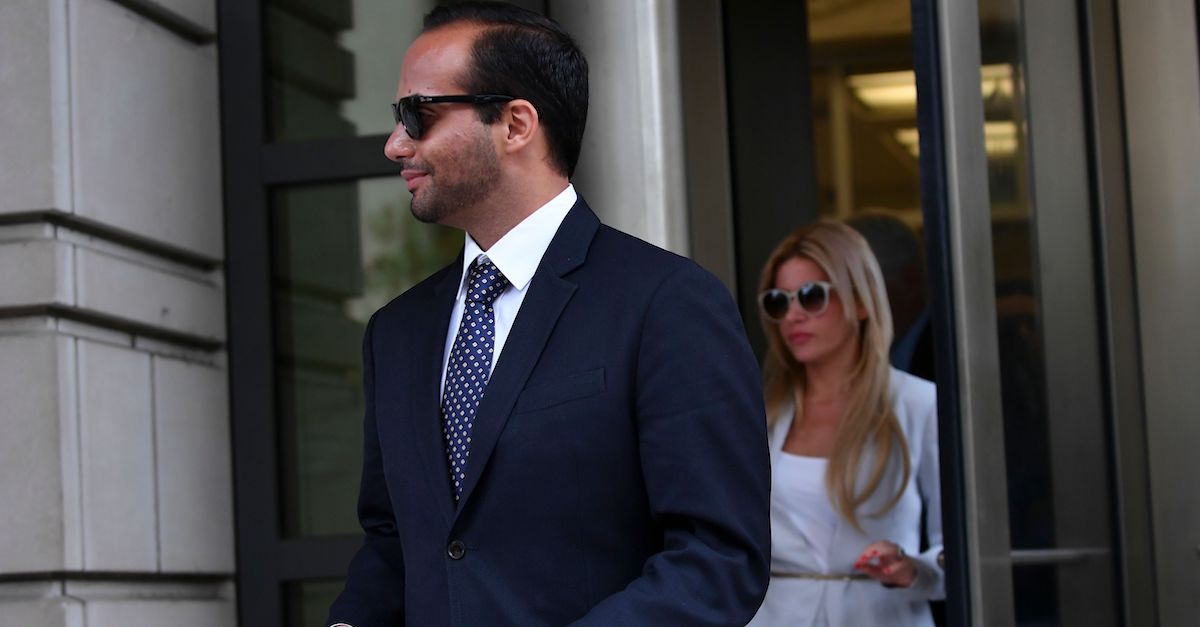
[(456, 550)]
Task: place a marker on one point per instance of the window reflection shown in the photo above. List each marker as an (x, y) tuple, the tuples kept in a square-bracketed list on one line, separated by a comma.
[(1047, 468), (307, 602), (332, 65), (340, 251)]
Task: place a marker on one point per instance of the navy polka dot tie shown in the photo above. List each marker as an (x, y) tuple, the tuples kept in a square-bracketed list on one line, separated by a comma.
[(470, 365)]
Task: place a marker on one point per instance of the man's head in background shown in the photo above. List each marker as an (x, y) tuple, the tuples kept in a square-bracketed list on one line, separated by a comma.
[(901, 259)]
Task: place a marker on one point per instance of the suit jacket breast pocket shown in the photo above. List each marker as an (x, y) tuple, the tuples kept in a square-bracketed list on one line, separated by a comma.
[(569, 388)]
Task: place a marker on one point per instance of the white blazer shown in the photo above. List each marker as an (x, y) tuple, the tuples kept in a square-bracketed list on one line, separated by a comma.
[(864, 603)]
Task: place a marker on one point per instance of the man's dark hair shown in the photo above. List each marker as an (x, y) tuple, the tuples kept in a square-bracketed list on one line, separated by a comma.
[(525, 55), (895, 245)]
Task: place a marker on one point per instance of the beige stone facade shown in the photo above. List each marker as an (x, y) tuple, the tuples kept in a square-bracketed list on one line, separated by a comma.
[(117, 490)]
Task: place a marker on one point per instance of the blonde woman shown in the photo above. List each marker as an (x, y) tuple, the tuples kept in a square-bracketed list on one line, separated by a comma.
[(853, 444)]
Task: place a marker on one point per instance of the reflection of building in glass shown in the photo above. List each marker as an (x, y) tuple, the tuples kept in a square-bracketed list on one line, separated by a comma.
[(309, 73), (340, 250), (317, 267)]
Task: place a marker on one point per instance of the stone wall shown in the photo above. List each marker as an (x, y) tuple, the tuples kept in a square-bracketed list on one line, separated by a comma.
[(115, 463)]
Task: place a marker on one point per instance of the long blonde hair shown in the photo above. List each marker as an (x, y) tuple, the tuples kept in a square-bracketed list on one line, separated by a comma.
[(869, 422)]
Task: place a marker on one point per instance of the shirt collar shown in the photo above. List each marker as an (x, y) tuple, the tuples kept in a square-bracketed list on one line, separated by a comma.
[(518, 253)]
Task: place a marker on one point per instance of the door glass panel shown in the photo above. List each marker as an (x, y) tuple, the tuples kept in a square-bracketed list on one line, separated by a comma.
[(864, 107), (339, 252), (307, 602), (332, 65), (866, 145), (1055, 426), (867, 158)]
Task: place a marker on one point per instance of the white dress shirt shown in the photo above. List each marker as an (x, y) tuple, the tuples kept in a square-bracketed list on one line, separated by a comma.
[(517, 256)]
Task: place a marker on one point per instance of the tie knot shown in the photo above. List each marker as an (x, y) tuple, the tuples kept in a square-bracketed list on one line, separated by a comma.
[(485, 282)]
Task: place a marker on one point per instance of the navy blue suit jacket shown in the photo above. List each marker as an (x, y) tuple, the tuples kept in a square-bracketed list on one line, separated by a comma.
[(618, 474)]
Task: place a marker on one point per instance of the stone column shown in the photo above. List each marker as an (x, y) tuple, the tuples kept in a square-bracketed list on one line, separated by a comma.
[(115, 471), (632, 168)]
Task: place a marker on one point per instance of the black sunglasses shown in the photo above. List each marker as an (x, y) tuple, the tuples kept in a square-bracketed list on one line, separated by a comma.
[(813, 298), (407, 110)]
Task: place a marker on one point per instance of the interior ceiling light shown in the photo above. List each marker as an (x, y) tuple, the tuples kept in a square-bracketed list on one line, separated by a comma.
[(898, 90), (1000, 139), (885, 90)]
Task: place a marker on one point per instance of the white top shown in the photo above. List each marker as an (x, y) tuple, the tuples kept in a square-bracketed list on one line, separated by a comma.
[(861, 603), (802, 518), (517, 255)]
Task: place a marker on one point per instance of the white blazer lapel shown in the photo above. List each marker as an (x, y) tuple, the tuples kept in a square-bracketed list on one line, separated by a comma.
[(778, 432)]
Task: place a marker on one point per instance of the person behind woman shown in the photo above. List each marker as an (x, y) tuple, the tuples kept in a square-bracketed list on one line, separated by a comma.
[(853, 444)]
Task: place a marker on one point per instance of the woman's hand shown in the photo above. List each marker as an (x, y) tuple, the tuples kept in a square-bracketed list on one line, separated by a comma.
[(886, 563)]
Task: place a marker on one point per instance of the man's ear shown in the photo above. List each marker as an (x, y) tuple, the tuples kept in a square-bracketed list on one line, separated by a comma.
[(521, 124)]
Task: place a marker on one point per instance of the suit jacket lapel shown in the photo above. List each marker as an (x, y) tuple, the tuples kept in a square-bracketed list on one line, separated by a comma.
[(548, 295), (425, 355)]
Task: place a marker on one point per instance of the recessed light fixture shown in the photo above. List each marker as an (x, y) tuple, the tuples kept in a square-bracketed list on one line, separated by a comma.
[(898, 90), (1000, 139)]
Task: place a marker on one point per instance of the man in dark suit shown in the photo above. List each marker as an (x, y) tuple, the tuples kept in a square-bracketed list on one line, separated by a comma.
[(565, 425), (899, 251)]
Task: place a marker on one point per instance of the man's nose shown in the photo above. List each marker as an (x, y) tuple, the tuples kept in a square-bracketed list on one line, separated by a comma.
[(399, 145)]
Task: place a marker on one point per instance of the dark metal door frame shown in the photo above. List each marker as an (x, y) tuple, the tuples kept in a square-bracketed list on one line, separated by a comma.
[(936, 215), (265, 559)]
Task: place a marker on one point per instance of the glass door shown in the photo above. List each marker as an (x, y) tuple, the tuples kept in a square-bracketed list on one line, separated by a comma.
[(319, 235), (1009, 103)]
